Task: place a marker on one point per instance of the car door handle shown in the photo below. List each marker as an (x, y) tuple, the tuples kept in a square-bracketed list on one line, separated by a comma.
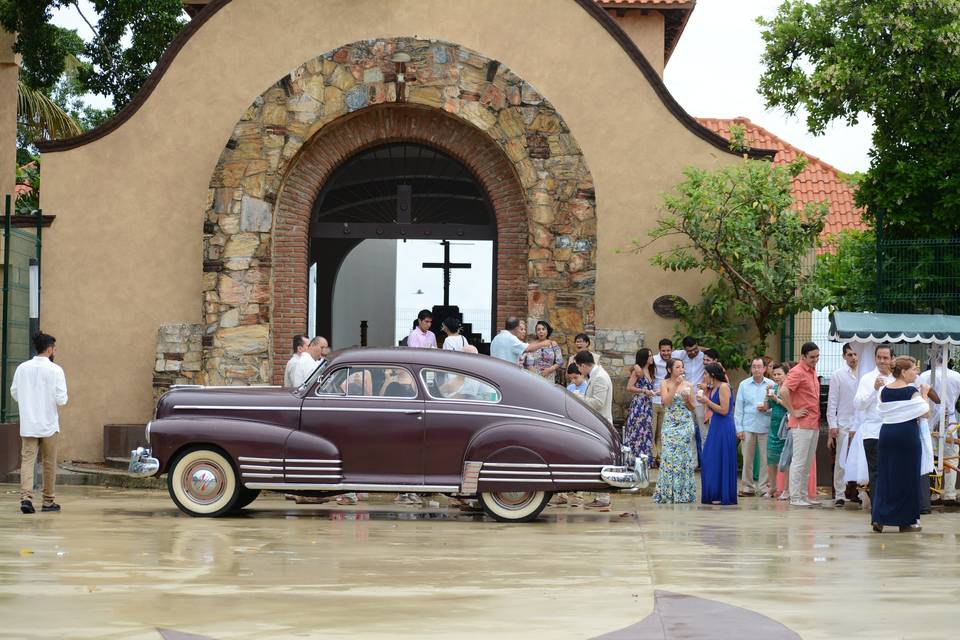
[(413, 413)]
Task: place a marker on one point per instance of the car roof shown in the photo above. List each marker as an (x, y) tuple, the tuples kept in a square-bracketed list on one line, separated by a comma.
[(515, 384)]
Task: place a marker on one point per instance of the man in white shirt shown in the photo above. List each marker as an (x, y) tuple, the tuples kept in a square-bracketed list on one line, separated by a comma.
[(952, 392), (659, 375), (599, 397), (866, 400), (841, 414), (39, 387), (300, 343), (508, 345), (307, 362)]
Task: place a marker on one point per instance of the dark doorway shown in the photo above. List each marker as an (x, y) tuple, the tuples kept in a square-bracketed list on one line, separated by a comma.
[(398, 191)]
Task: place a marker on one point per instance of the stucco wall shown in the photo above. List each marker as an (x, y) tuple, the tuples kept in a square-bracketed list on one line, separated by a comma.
[(124, 255), (646, 29)]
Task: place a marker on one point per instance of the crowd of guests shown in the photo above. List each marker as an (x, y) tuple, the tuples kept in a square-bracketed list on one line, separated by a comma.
[(685, 417)]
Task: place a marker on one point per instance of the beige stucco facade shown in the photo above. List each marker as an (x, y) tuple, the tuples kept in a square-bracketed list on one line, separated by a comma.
[(125, 253)]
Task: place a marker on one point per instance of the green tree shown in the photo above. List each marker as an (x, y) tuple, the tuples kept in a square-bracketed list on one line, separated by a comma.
[(897, 61), (107, 66), (740, 223), (846, 271), (714, 323)]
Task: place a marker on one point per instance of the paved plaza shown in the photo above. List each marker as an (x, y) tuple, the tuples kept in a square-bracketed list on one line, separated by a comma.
[(127, 564)]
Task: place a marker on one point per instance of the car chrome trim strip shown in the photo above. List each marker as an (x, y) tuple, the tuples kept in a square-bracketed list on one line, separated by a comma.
[(261, 475), (514, 415), (246, 459), (314, 468), (391, 488), (260, 467), (539, 480), (578, 466), (575, 473), (363, 410), (310, 461), (547, 413), (221, 407), (300, 475), (519, 473), (587, 480), (531, 465)]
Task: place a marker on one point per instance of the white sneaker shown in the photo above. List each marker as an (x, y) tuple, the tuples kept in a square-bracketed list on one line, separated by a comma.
[(800, 503), (812, 503)]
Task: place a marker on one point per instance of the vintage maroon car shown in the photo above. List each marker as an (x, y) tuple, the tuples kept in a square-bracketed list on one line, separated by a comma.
[(386, 420)]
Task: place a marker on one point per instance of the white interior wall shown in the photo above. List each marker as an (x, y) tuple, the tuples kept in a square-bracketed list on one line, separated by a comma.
[(366, 290)]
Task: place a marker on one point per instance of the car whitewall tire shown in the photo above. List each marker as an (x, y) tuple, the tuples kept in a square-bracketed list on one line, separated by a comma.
[(202, 482), (514, 506)]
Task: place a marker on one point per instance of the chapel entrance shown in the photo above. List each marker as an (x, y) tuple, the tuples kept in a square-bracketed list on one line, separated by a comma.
[(398, 227)]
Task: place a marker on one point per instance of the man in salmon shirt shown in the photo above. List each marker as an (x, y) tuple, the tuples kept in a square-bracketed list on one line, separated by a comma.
[(801, 397)]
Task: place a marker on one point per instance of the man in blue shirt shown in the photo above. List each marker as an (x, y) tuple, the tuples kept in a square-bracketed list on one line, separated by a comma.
[(508, 345), (752, 416)]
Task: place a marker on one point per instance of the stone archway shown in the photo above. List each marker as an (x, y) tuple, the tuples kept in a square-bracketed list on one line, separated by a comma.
[(295, 134)]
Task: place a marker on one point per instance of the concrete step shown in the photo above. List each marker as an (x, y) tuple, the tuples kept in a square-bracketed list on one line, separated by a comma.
[(96, 474)]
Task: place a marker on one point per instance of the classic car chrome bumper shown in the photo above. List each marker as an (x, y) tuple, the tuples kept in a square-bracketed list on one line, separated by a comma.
[(142, 464), (633, 475)]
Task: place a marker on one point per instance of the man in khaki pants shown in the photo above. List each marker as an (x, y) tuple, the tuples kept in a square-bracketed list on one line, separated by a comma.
[(39, 387)]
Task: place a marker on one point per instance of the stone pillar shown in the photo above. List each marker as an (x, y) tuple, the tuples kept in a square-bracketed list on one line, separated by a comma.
[(618, 350), (9, 74)]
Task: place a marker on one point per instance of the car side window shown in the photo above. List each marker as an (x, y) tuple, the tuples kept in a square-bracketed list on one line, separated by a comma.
[(452, 385), (334, 384), (370, 381)]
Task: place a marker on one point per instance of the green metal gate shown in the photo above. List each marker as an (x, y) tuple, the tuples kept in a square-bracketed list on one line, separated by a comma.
[(21, 250)]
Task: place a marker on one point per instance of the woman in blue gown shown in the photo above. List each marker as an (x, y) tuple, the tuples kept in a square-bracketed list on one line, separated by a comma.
[(718, 466), (897, 498)]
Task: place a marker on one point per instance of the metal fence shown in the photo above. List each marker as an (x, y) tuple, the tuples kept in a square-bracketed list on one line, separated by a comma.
[(918, 275), (21, 295)]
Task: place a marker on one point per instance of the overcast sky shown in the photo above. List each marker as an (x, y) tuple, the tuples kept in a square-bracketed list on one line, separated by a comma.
[(715, 70)]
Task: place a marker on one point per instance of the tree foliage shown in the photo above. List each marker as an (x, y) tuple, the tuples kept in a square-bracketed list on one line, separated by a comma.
[(846, 272), (740, 223), (897, 61), (714, 323), (129, 38)]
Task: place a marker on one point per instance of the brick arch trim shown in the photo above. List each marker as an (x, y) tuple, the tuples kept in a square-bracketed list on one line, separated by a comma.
[(346, 137)]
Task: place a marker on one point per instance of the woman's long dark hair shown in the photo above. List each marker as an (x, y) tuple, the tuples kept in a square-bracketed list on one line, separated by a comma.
[(644, 360), (716, 372)]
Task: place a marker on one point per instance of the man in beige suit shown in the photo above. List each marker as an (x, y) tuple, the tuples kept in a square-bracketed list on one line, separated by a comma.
[(599, 397)]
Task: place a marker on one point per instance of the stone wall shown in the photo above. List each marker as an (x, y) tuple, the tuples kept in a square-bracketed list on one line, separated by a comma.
[(179, 357), (618, 350), (256, 230)]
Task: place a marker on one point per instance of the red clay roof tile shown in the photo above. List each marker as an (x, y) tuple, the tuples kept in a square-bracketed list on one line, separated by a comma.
[(817, 183)]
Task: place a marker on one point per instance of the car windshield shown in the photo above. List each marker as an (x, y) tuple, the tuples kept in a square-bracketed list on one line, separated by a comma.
[(321, 367)]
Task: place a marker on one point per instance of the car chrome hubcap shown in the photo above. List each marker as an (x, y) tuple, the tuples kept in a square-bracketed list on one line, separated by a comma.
[(203, 482), (513, 499)]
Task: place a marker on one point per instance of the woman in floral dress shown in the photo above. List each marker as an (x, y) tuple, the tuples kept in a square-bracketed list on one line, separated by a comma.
[(638, 432), (548, 360), (675, 483)]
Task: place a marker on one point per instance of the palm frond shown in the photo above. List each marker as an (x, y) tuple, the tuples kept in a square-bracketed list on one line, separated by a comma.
[(44, 114)]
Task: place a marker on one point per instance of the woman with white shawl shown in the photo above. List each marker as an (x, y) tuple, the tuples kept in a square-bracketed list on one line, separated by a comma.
[(900, 449)]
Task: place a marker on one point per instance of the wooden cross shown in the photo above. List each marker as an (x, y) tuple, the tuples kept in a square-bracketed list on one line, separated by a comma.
[(446, 265)]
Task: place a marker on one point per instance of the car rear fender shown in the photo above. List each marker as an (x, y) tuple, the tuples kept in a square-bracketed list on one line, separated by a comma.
[(548, 444), (236, 437)]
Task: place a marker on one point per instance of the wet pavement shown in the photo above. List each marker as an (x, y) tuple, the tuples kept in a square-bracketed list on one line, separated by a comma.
[(127, 564)]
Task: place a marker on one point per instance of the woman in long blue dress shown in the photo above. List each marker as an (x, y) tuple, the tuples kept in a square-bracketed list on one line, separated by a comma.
[(638, 431), (675, 482), (897, 498), (718, 465)]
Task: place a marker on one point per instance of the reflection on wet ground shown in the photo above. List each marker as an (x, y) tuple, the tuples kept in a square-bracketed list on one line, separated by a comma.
[(123, 564)]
